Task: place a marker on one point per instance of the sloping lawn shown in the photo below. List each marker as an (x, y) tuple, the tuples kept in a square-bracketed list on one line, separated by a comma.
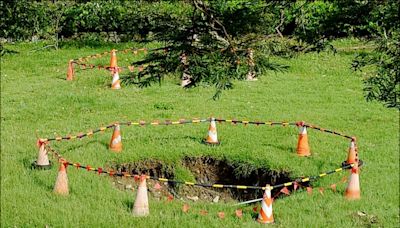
[(318, 88)]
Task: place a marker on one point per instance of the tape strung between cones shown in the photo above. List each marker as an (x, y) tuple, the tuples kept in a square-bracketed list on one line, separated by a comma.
[(131, 68), (192, 121), (106, 53), (137, 176), (141, 202), (84, 66)]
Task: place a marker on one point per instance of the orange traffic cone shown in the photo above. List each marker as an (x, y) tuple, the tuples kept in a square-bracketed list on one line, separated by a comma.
[(303, 149), (353, 152), (70, 71), (61, 186), (116, 139), (212, 138), (43, 159), (353, 187), (265, 215), (115, 83), (141, 206), (113, 60)]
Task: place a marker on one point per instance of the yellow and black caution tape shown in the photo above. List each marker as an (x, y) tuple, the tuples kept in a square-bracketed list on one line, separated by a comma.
[(131, 68), (329, 131), (195, 120), (243, 187), (135, 51), (140, 123), (245, 122)]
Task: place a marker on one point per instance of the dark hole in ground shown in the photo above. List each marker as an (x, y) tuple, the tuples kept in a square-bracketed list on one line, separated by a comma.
[(211, 170), (152, 168), (206, 170)]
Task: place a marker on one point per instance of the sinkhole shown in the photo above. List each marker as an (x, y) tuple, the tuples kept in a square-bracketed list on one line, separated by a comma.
[(204, 170)]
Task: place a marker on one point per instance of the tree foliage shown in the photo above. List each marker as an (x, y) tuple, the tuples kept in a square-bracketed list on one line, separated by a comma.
[(205, 50), (219, 41), (383, 84)]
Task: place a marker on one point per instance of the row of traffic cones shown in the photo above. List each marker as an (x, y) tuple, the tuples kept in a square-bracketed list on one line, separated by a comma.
[(115, 83), (303, 148), (116, 139), (140, 207), (141, 204), (352, 193)]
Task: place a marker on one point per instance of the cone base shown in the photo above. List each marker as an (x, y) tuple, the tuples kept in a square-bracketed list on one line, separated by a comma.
[(211, 143), (353, 195), (141, 212), (303, 154), (34, 165), (265, 222), (61, 185), (116, 149), (61, 192)]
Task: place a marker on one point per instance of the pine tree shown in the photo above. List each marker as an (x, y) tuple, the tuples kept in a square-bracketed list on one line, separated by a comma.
[(209, 48)]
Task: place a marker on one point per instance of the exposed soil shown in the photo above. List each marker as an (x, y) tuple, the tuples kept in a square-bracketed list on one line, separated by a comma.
[(206, 170)]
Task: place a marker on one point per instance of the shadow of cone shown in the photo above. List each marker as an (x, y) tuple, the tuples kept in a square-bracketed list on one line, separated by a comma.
[(61, 186), (212, 138), (303, 149), (266, 215), (353, 187), (43, 159), (70, 71), (116, 139), (141, 205)]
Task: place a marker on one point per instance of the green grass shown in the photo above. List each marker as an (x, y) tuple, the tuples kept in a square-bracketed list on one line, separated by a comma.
[(318, 88)]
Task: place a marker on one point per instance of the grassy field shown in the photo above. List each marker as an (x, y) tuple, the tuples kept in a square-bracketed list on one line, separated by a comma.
[(318, 88)]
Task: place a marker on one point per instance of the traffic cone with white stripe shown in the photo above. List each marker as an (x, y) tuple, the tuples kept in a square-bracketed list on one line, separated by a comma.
[(141, 205), (61, 186), (43, 159), (353, 188), (303, 149), (266, 215), (70, 71), (116, 139), (115, 84), (353, 152), (212, 138)]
